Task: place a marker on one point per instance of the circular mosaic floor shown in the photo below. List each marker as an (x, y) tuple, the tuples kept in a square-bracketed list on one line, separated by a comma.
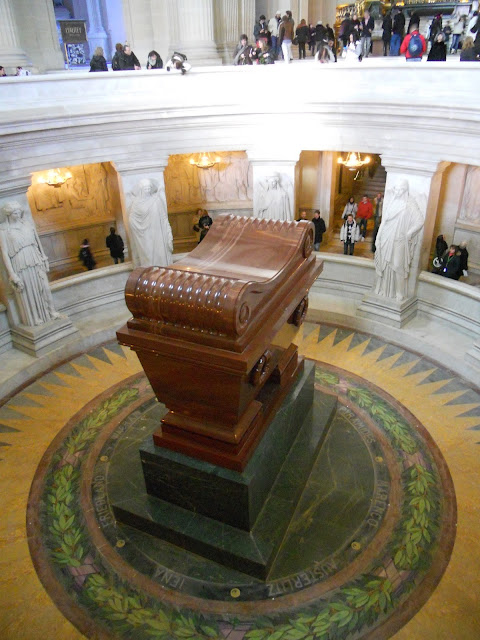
[(370, 538)]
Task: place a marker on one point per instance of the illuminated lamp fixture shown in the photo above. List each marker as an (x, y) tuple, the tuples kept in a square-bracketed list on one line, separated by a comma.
[(354, 161), (205, 161), (55, 178)]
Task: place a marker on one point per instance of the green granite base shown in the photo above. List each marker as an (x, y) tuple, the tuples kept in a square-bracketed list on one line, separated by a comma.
[(232, 497), (251, 552)]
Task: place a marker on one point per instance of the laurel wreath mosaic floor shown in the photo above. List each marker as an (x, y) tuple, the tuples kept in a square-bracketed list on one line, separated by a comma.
[(357, 581)]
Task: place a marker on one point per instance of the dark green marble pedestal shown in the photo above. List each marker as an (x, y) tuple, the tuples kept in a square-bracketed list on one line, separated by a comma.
[(254, 551)]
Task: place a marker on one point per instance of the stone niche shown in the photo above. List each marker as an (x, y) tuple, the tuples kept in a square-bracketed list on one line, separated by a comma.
[(86, 206), (458, 216), (224, 188)]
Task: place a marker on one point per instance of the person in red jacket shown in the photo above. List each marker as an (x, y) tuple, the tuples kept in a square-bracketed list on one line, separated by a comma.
[(364, 213), (413, 46)]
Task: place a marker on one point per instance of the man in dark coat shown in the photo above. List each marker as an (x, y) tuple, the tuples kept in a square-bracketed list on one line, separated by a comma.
[(128, 60), (387, 33), (345, 29), (115, 243), (398, 30), (320, 229), (463, 267)]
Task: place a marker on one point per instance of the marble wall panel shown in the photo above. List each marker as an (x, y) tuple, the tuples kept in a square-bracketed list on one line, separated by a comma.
[(228, 183)]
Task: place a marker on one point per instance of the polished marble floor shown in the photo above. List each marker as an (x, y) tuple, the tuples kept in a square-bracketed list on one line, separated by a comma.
[(47, 417)]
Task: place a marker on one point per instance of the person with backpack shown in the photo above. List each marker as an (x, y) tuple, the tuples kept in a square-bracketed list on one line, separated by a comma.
[(413, 46), (85, 255)]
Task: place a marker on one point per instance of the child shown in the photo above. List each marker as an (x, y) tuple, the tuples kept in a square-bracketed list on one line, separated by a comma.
[(349, 233), (85, 255)]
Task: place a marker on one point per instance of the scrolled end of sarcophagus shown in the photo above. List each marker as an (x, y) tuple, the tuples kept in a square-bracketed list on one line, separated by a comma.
[(246, 271)]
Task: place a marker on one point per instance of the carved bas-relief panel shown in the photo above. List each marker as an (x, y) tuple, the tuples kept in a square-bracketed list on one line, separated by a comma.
[(229, 181), (85, 206), (227, 187), (470, 208), (467, 226)]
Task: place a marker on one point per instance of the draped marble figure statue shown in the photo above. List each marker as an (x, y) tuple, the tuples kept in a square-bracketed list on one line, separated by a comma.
[(274, 201), (150, 232), (396, 241), (26, 265)]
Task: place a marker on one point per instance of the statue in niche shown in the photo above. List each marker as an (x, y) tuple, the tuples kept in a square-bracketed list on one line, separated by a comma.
[(470, 210), (150, 232), (26, 265), (397, 238), (273, 199)]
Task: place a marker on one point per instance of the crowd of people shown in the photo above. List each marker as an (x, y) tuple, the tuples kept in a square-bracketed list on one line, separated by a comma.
[(356, 218), (274, 38), (439, 38)]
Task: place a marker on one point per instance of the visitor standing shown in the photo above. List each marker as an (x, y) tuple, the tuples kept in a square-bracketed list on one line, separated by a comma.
[(349, 234), (114, 242)]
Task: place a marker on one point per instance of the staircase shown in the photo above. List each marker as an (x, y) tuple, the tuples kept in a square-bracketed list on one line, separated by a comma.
[(370, 185), (365, 184)]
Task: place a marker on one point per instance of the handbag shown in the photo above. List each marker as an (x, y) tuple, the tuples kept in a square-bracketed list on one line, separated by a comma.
[(295, 40)]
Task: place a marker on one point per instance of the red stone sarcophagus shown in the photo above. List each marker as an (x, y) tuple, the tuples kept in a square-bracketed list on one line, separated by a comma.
[(203, 328)]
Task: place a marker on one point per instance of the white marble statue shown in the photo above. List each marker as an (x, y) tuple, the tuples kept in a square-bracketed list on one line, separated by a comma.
[(150, 232), (396, 241), (273, 201), (26, 265)]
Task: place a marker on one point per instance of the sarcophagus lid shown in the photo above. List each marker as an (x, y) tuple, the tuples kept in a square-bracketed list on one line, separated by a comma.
[(245, 273)]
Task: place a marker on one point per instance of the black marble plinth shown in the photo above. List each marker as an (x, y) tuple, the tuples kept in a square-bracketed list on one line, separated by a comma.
[(232, 497), (251, 552)]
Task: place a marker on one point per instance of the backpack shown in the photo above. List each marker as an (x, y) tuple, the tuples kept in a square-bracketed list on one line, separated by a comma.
[(415, 46)]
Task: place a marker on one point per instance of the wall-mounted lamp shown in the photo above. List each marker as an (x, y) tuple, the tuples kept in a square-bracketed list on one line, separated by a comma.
[(55, 178), (204, 161), (354, 161)]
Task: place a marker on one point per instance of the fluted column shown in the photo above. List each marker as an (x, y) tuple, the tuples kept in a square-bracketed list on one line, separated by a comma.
[(247, 17), (11, 54), (192, 31), (227, 28), (411, 199), (97, 37)]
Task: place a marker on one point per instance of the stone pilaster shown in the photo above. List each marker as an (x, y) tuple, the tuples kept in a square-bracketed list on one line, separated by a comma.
[(130, 174), (11, 53), (97, 37), (192, 31), (325, 193), (404, 238)]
